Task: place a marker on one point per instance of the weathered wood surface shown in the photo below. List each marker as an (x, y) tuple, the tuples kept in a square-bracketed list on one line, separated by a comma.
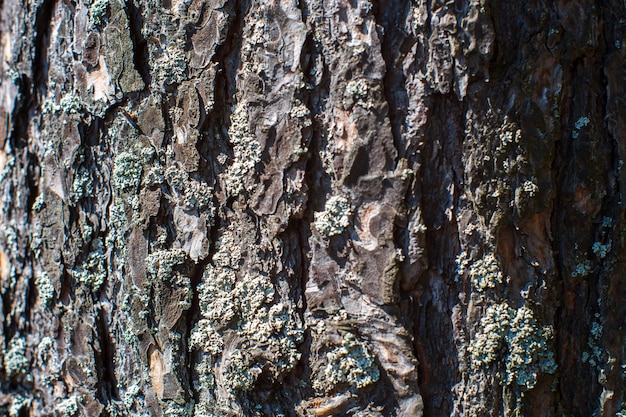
[(312, 208)]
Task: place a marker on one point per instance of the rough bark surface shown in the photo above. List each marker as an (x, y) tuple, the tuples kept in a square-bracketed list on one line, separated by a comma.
[(312, 208)]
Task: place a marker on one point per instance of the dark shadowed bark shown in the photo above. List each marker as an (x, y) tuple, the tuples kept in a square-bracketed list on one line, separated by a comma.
[(312, 208)]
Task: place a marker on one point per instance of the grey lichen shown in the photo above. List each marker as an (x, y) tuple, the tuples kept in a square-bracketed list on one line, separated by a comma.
[(92, 272), (98, 11), (171, 67), (246, 151), (335, 217), (515, 335), (358, 89), (127, 172), (485, 273), (160, 264), (15, 360), (230, 297), (18, 403), (70, 104), (349, 363), (45, 288), (69, 406)]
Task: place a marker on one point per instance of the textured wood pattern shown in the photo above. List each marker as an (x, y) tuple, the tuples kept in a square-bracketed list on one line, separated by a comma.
[(312, 208)]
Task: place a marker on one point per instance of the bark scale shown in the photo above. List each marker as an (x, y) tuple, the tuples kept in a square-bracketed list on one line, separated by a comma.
[(312, 208)]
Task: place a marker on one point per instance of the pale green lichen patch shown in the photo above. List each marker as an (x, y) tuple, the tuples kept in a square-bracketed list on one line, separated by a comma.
[(246, 151), (485, 273), (70, 104), (18, 403), (160, 264), (127, 172), (170, 68), (69, 406), (191, 193), (515, 336), (335, 217), (15, 360), (358, 89), (232, 299), (92, 272), (98, 11), (45, 289), (349, 363)]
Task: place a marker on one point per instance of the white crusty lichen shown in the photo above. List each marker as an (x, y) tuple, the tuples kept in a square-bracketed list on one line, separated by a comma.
[(18, 403), (485, 273), (350, 363), (70, 104), (230, 297), (515, 335), (246, 151), (171, 67), (15, 360), (45, 289), (357, 89), (69, 406), (127, 172), (335, 217), (98, 11), (92, 272), (583, 121)]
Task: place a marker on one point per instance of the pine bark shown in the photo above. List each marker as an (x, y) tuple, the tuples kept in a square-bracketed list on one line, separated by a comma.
[(312, 208)]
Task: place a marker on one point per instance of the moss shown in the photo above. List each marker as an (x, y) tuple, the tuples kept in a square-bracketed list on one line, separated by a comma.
[(335, 217), (350, 363), (15, 360), (514, 335)]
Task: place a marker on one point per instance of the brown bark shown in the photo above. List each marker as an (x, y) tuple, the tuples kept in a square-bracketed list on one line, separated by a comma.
[(245, 207)]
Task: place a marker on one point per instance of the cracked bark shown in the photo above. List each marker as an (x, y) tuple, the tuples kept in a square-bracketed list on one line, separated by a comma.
[(314, 208)]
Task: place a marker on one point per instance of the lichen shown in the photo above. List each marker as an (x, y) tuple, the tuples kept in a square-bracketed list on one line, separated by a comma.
[(160, 264), (45, 288), (18, 403), (601, 250), (358, 89), (98, 11), (335, 217), (15, 360), (171, 66), (349, 363), (92, 272), (190, 192), (515, 336), (246, 151), (230, 297), (485, 273), (82, 185), (127, 172), (69, 406), (580, 123), (70, 104)]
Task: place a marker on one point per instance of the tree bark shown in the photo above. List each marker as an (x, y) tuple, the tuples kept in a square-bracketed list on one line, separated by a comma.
[(312, 208)]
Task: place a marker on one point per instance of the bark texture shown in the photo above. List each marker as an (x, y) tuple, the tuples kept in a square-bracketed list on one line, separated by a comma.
[(312, 208)]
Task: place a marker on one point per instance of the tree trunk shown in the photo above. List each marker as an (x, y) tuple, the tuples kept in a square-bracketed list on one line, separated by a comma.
[(312, 208)]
